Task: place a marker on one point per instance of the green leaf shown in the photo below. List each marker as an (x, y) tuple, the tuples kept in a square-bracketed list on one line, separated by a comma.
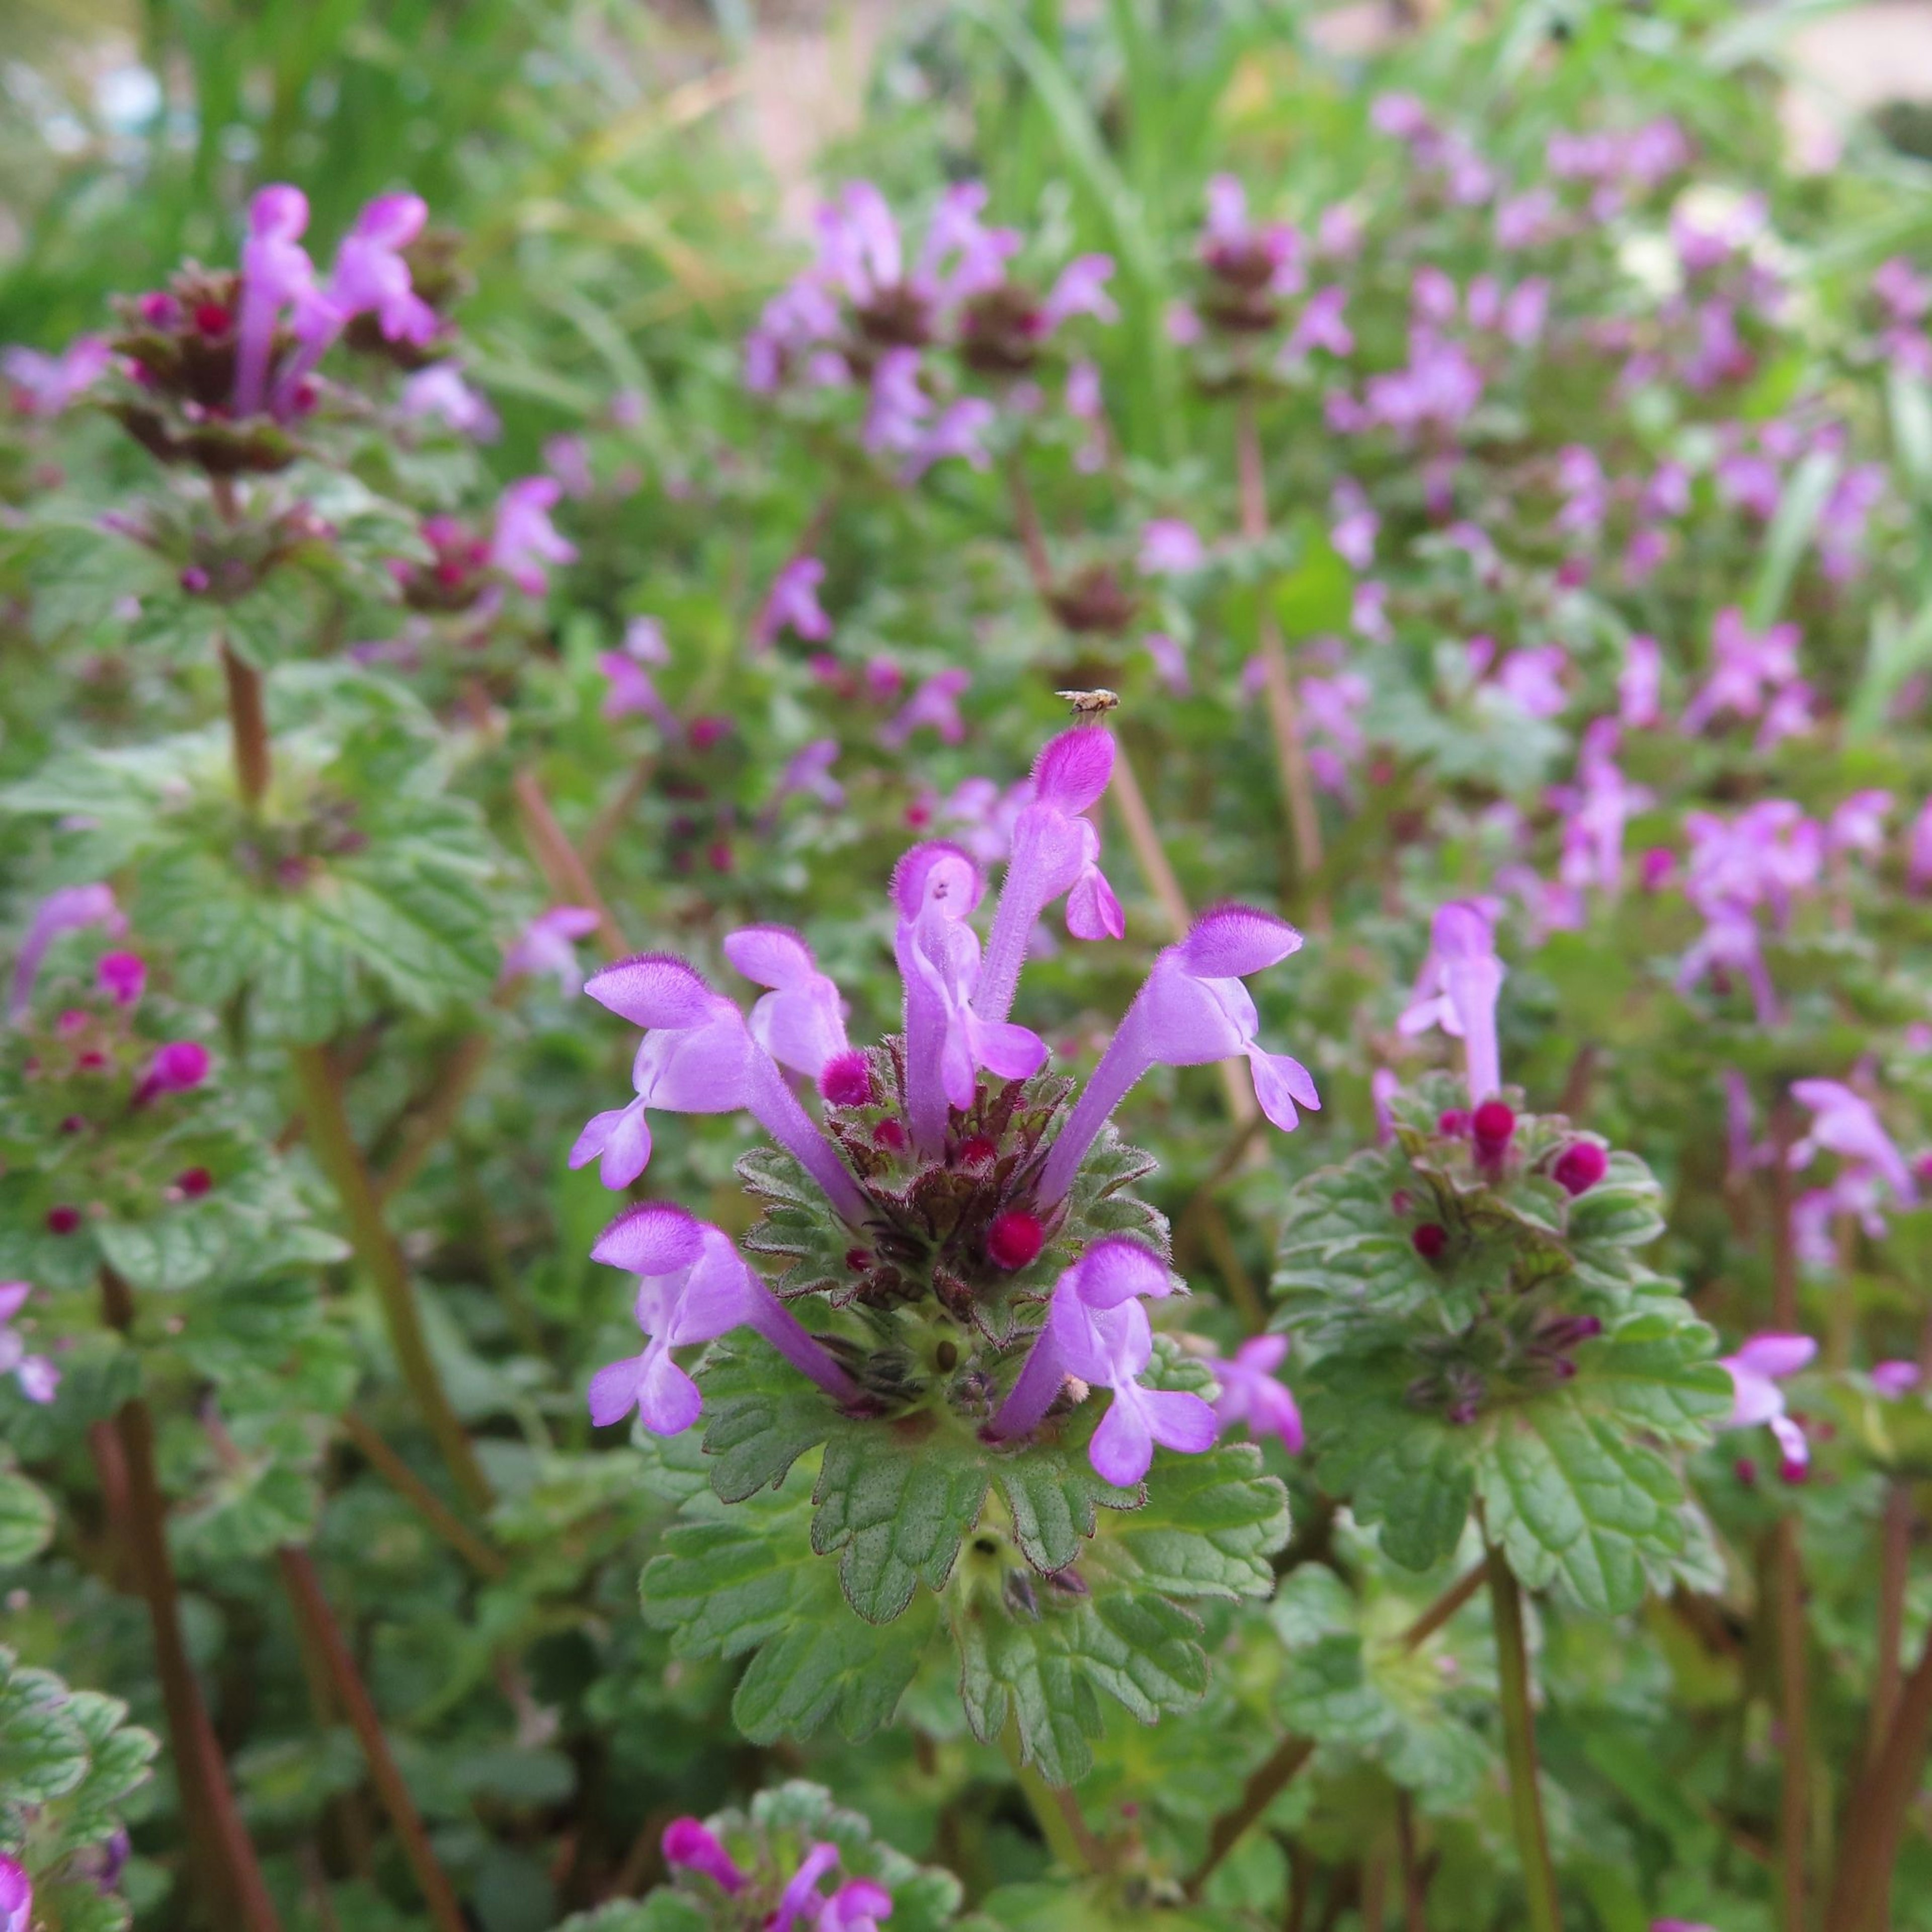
[(750, 1580), (43, 1747), (26, 1518)]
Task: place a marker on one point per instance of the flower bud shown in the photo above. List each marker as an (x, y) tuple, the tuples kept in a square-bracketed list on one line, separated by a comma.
[(1429, 1240), (845, 1080), (1493, 1125), (1580, 1167), (1014, 1239)]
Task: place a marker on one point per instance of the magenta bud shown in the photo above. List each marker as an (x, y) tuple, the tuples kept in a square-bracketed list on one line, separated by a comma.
[(1453, 1120), (845, 1080), (688, 1843), (1014, 1239), (63, 1220), (194, 579), (1429, 1240), (175, 1068), (1580, 1167), (122, 976)]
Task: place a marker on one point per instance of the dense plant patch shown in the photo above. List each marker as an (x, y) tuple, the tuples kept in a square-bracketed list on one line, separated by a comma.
[(1060, 1061)]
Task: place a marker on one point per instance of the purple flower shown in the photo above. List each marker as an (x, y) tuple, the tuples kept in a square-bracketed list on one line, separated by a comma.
[(1056, 852), (1843, 1123), (809, 770), (1745, 667), (688, 1843), (177, 1068), (524, 539), (17, 1897), (800, 1899), (936, 887), (276, 274), (1858, 824), (632, 693), (1322, 324), (122, 976), (1918, 849), (692, 1286), (1170, 661), (857, 1906), (1640, 684), (801, 1022), (548, 944), (440, 391), (43, 384), (1457, 990), (1354, 531), (1097, 1330), (1170, 547), (1894, 1380), (935, 706), (1193, 1010), (792, 604), (698, 1057), (1250, 1393), (65, 910), (1081, 289), (1596, 810), (1756, 1370), (37, 1377)]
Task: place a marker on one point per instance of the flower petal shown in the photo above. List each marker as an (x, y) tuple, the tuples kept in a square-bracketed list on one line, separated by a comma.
[(652, 989), (657, 1238)]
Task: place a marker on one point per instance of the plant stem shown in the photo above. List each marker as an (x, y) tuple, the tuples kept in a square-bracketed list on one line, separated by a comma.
[(1073, 1849), (564, 870), (229, 1872), (485, 1561), (1532, 1841), (1284, 716), (1445, 1607), (1784, 1251), (1271, 1778), (1875, 1818), (1033, 540), (1895, 1572), (1414, 1881), (429, 1123), (311, 1604), (1793, 1712), (326, 1117), (613, 817), (248, 728)]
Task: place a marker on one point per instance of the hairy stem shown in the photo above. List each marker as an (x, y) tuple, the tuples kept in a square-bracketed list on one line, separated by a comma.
[(1794, 1722), (326, 1117), (1415, 1879), (229, 1872), (1532, 1841), (1875, 1817), (484, 1560), (1269, 1781), (311, 1605), (1894, 1573), (1284, 716), (248, 728), (1445, 1607), (1070, 1848), (564, 870)]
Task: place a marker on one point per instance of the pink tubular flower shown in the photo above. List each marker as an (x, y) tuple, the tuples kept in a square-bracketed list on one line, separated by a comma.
[(1457, 991), (177, 1068), (934, 706), (632, 693), (1097, 1330), (1858, 824), (524, 538), (1170, 547), (800, 1901), (1896, 1379), (1843, 1123), (1756, 1370), (1055, 851), (687, 1843), (857, 1906), (548, 944), (440, 391), (801, 1022), (276, 274), (66, 910), (792, 604), (122, 976), (1641, 683), (43, 384), (692, 1286), (1746, 668), (935, 888), (17, 1897), (1251, 1393), (1193, 1010), (37, 1377), (698, 1057)]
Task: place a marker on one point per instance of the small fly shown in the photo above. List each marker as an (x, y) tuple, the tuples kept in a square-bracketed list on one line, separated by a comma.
[(1089, 705)]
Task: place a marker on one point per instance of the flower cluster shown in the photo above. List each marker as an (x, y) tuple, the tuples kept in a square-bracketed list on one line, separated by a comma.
[(917, 333), (948, 1181)]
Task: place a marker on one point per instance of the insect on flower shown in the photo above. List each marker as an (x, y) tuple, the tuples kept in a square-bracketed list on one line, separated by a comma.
[(1089, 705)]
